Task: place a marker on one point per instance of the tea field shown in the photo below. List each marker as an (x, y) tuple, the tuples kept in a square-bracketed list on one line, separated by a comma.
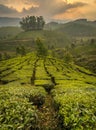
[(46, 94)]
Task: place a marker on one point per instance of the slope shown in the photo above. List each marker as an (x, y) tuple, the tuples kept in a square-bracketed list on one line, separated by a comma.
[(85, 54), (67, 102), (9, 32), (50, 38), (8, 21), (77, 28)]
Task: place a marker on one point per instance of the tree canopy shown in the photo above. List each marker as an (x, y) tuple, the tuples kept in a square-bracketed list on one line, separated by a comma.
[(29, 23), (41, 49)]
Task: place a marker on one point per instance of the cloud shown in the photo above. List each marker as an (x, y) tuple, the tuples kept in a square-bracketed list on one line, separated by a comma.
[(65, 7), (30, 11), (6, 10), (50, 8), (47, 8), (4, 1)]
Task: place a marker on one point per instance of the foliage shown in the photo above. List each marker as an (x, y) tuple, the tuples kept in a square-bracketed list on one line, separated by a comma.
[(76, 104), (17, 110), (30, 23), (72, 96), (21, 50), (41, 50), (4, 56), (68, 57), (0, 56)]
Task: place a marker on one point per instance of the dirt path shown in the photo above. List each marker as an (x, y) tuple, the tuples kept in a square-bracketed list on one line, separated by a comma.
[(48, 116)]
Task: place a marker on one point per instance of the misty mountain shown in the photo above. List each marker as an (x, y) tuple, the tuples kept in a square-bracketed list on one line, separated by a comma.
[(6, 21), (80, 27)]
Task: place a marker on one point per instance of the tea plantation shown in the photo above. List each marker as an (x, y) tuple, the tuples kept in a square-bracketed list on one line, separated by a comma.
[(46, 94)]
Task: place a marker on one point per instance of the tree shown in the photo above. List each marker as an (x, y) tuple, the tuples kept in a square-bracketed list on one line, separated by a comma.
[(17, 50), (32, 23), (40, 23), (68, 57), (21, 50), (6, 56), (41, 49), (0, 56)]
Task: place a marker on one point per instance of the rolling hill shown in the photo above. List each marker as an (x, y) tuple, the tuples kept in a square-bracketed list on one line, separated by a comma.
[(40, 92), (85, 55), (18, 37), (9, 32), (55, 36), (77, 28)]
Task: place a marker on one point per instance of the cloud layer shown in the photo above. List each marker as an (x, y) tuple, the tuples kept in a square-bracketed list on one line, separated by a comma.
[(50, 9)]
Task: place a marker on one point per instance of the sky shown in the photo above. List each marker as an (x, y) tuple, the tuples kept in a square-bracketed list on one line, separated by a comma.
[(50, 9)]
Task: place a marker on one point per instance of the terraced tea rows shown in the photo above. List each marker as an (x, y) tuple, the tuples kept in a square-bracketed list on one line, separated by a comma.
[(41, 94)]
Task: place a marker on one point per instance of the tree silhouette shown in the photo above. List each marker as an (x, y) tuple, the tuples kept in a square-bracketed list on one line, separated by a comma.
[(32, 23)]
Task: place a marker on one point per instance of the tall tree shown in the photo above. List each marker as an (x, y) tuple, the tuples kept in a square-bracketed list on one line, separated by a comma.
[(32, 23), (40, 22), (41, 49)]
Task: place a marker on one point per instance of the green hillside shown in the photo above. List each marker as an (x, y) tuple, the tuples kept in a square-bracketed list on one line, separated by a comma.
[(50, 38), (77, 28), (9, 32), (52, 26), (42, 94), (85, 54)]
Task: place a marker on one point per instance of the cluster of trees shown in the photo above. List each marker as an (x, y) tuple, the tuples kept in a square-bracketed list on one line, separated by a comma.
[(63, 54), (4, 56), (21, 50), (32, 23), (42, 51)]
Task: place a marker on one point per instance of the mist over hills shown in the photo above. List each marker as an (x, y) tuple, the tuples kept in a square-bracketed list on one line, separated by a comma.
[(79, 27), (55, 35), (7, 21)]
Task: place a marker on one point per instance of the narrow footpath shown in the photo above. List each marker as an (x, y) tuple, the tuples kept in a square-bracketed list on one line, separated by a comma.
[(48, 116)]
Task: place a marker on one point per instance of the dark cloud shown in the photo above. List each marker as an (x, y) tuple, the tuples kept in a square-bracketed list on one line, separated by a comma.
[(50, 8), (47, 8), (6, 10)]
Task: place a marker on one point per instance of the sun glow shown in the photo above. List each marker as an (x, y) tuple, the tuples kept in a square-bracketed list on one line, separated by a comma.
[(19, 5)]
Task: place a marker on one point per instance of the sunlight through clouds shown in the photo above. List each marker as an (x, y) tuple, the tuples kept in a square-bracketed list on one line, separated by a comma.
[(50, 9)]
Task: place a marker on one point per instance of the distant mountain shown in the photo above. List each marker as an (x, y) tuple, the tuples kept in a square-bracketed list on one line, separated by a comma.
[(6, 21), (80, 27), (52, 25)]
